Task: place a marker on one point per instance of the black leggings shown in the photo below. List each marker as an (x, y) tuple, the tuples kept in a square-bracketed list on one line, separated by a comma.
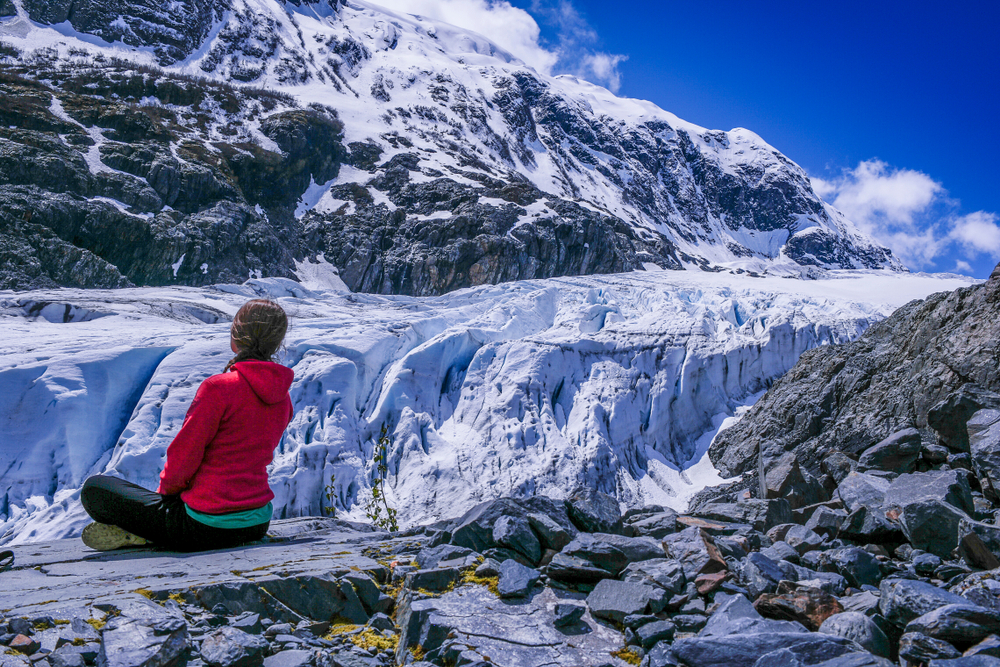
[(163, 520)]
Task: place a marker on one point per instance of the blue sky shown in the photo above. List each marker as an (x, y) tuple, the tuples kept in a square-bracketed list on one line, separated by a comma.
[(891, 107)]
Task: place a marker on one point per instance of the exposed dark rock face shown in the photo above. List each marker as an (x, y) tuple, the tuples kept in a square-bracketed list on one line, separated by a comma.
[(846, 398)]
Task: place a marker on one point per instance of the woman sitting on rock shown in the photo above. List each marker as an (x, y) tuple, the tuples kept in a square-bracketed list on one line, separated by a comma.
[(213, 490)]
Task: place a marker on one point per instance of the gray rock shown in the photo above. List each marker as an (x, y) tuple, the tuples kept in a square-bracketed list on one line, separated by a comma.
[(902, 600), (860, 489), (143, 636), (935, 454), (747, 650), (66, 656), (825, 521), (368, 592), (651, 633), (291, 658), (594, 512), (961, 625), (856, 565), (689, 622), (838, 465), (613, 552), (381, 622), (969, 661), (858, 628), (474, 530), (488, 568), (857, 660), (920, 649), (437, 579), (568, 614), (431, 557), (989, 534), (950, 417), (925, 564), (897, 453), (949, 486), (760, 574), (551, 534), (984, 439), (635, 621), (663, 572), (614, 600), (802, 539), (864, 602), (989, 646), (571, 569), (762, 515), (695, 550), (737, 616), (981, 589), (780, 551), (515, 533), (657, 525), (783, 478), (247, 622), (229, 647), (516, 580), (932, 525), (870, 526)]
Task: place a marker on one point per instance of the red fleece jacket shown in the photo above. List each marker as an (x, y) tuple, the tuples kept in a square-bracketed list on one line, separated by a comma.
[(218, 461)]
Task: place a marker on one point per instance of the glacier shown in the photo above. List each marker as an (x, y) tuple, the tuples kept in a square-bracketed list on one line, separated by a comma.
[(617, 382)]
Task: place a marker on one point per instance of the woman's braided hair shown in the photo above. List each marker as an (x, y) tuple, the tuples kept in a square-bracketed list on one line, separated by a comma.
[(258, 329)]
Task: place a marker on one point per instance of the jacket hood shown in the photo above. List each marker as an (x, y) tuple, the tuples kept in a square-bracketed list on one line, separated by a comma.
[(268, 380)]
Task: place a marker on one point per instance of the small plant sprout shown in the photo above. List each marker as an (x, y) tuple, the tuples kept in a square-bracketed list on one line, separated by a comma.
[(377, 507)]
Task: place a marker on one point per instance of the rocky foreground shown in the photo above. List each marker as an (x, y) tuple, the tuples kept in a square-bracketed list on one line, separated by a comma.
[(899, 566)]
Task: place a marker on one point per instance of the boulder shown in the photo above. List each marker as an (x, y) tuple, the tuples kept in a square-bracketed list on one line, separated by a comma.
[(516, 580), (980, 588), (431, 557), (551, 533), (594, 512), (143, 635), (808, 606), (924, 564), (897, 453), (229, 647), (612, 552), (291, 658), (961, 625), (760, 514), (902, 600), (987, 533), (514, 532), (573, 570), (856, 565), (435, 580), (568, 614), (857, 660), (651, 633), (783, 478), (984, 441), (826, 522), (949, 486), (838, 465), (949, 417), (802, 539), (920, 649), (663, 572), (735, 615), (657, 525), (749, 650), (613, 600), (859, 628), (474, 530), (966, 661), (695, 550), (987, 647), (870, 526), (760, 574), (860, 489)]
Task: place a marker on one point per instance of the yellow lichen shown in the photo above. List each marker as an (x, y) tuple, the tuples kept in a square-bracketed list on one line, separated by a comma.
[(372, 639), (340, 626), (628, 655), (79, 641), (97, 623), (61, 621), (177, 597), (145, 592), (469, 576), (417, 652)]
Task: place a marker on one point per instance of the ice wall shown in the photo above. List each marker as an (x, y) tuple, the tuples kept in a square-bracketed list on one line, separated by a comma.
[(517, 389)]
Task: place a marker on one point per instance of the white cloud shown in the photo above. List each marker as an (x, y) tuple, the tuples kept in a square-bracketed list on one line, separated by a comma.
[(517, 31), (961, 266), (909, 212), (510, 28), (978, 233)]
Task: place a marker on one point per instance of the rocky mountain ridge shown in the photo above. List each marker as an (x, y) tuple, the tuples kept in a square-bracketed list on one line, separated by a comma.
[(434, 161)]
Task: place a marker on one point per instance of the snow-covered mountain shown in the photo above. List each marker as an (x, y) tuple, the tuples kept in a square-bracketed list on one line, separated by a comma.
[(617, 382), (236, 138)]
